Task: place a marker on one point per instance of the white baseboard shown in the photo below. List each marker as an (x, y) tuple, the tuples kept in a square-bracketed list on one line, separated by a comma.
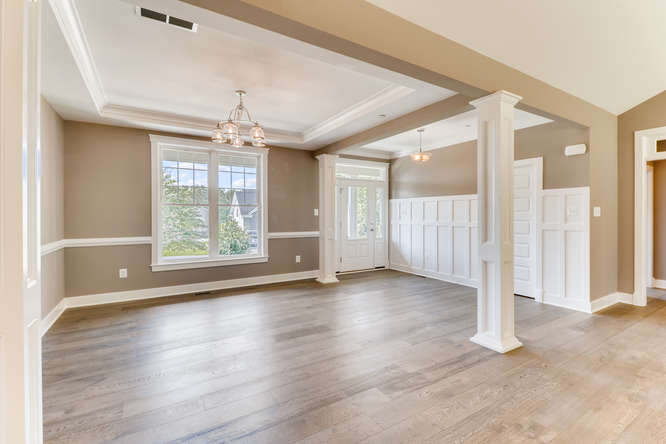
[(571, 304), (659, 283), (610, 299), (150, 293), (430, 274), (53, 316)]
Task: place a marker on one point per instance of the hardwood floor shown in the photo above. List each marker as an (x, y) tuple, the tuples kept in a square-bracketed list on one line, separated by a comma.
[(382, 357)]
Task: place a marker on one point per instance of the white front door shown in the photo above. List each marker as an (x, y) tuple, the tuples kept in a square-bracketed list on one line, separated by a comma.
[(526, 185), (362, 207)]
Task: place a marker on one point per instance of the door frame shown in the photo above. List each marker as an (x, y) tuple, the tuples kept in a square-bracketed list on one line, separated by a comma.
[(338, 215), (645, 150)]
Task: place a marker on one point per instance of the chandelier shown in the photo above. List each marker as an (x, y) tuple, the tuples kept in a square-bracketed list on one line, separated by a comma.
[(421, 156), (230, 131)]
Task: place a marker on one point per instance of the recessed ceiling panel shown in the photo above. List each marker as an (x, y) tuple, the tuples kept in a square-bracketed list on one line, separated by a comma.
[(457, 129), (150, 73)]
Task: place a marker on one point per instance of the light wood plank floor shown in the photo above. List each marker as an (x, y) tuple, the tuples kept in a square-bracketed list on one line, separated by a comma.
[(382, 357)]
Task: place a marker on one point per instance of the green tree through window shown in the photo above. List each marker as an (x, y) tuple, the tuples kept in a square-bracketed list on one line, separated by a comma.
[(184, 227)]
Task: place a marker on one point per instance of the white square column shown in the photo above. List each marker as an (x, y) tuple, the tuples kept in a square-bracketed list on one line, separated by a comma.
[(495, 147), (327, 245)]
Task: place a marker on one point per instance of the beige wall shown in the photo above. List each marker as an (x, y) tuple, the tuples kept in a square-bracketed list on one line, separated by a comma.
[(659, 221), (52, 205), (107, 188), (452, 170), (649, 114), (363, 31)]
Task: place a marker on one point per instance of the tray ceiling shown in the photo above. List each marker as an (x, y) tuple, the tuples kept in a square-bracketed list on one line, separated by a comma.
[(104, 63)]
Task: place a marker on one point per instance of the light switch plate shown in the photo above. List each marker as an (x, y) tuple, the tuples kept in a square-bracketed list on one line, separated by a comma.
[(597, 211), (298, 259), (122, 273), (316, 211)]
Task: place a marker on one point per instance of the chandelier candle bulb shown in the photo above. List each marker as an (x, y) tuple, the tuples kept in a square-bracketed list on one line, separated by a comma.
[(229, 132)]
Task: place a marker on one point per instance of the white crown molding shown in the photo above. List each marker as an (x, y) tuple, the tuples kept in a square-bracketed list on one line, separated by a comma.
[(369, 152), (70, 24), (191, 124), (387, 95)]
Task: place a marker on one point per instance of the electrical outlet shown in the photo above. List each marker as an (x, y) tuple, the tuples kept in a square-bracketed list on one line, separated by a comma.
[(122, 273), (316, 211), (298, 259)]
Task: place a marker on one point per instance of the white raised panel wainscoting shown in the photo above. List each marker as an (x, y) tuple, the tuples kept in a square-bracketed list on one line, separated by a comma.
[(565, 246), (437, 237)]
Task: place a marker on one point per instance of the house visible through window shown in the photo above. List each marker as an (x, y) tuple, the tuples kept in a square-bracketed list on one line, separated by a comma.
[(208, 204)]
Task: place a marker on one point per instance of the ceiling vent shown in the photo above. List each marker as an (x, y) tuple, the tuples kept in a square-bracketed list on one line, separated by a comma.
[(165, 18)]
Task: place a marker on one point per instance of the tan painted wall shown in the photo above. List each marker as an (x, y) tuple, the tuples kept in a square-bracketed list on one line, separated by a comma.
[(52, 205), (659, 222), (649, 114), (363, 31), (94, 270), (452, 170), (107, 189)]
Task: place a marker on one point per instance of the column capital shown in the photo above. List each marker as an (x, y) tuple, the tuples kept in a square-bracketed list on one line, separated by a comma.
[(500, 96), (321, 157)]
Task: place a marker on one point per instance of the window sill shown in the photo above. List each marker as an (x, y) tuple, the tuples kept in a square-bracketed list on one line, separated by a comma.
[(207, 263)]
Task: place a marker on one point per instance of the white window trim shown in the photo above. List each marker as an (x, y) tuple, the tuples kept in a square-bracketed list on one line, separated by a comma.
[(158, 142)]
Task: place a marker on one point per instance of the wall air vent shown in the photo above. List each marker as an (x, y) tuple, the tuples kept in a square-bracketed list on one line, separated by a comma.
[(165, 18)]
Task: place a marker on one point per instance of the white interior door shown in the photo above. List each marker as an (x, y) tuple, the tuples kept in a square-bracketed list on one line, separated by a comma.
[(362, 225), (526, 185)]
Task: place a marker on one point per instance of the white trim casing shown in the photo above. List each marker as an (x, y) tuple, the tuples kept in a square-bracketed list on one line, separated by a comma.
[(292, 234), (107, 241), (52, 247), (645, 150), (208, 263), (175, 290), (159, 142), (327, 239)]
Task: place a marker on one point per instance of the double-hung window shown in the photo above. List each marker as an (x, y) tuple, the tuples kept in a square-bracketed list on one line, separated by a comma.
[(208, 204)]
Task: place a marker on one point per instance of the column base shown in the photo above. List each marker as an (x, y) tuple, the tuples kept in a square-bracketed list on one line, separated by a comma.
[(493, 344), (327, 280)]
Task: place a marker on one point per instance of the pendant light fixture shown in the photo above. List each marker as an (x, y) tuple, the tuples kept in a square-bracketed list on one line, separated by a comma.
[(229, 131), (420, 155)]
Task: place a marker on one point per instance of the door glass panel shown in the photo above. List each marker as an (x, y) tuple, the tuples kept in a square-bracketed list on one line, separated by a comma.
[(357, 212), (379, 213)]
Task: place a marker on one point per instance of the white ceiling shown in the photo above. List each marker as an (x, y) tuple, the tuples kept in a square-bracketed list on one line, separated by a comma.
[(456, 129), (111, 65), (607, 52)]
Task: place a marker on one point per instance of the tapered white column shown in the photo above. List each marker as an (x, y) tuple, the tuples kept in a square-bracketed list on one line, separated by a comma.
[(327, 262), (495, 145)]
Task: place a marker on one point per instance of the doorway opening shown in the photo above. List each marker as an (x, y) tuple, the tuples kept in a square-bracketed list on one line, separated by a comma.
[(361, 214), (648, 152)]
